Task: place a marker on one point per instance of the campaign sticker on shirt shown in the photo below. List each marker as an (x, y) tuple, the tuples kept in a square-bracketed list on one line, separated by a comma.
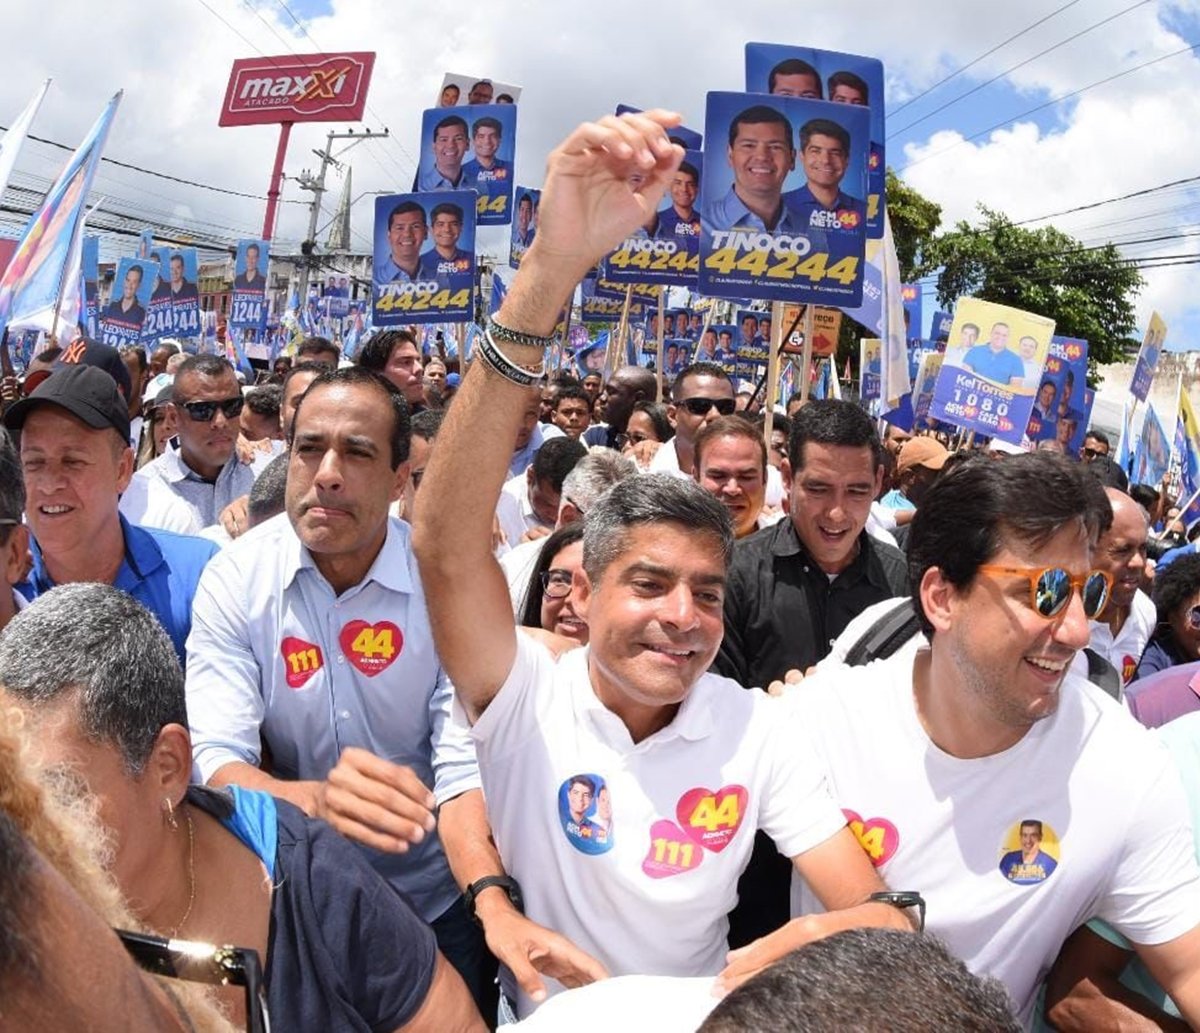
[(1128, 668), (371, 647), (877, 836), (711, 819), (671, 851), (585, 810), (301, 660), (1030, 852)]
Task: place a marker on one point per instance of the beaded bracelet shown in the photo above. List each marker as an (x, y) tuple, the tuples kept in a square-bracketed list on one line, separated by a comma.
[(502, 333), (525, 376)]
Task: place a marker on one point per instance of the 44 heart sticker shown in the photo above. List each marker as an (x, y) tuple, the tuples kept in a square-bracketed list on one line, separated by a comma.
[(877, 836), (371, 647), (711, 819)]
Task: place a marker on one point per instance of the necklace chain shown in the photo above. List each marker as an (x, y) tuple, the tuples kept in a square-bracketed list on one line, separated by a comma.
[(191, 874)]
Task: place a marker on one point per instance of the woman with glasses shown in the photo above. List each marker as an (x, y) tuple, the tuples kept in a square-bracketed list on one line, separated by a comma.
[(647, 430), (548, 600), (1176, 639)]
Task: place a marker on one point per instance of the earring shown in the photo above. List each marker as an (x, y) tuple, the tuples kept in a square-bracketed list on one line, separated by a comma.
[(172, 821)]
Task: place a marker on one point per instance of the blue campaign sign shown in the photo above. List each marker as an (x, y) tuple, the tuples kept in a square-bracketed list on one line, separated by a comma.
[(248, 309), (910, 294), (1152, 458), (122, 318), (719, 344), (753, 346), (939, 330), (782, 215), (1059, 406), (992, 369), (687, 138), (1148, 356), (335, 295), (667, 249), (832, 76), (424, 258), (471, 147), (603, 307), (870, 367), (158, 312), (91, 285), (524, 224)]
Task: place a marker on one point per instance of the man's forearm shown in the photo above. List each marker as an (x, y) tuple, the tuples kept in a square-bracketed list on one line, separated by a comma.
[(467, 839), (301, 794)]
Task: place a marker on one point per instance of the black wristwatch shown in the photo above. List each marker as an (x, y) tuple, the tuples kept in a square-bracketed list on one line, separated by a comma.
[(511, 887), (902, 900)]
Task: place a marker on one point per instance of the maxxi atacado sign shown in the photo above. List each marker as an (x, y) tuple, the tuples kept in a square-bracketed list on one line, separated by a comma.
[(311, 88)]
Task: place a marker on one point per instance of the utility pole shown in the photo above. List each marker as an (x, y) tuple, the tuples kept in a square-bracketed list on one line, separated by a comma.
[(307, 181)]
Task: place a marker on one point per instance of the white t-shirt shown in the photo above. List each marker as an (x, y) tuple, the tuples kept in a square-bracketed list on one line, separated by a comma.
[(1124, 651), (658, 1003), (514, 512), (517, 564), (666, 460), (1116, 839), (642, 875)]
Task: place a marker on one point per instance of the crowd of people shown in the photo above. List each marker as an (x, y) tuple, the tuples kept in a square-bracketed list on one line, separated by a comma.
[(464, 700)]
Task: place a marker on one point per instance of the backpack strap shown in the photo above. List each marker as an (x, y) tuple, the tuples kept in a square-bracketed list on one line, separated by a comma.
[(885, 636)]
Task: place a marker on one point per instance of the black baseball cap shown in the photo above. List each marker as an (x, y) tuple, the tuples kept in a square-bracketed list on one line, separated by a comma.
[(84, 391), (88, 352)]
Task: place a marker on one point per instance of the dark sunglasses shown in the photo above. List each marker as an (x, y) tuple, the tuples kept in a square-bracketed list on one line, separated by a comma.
[(700, 406), (1050, 588), (203, 412)]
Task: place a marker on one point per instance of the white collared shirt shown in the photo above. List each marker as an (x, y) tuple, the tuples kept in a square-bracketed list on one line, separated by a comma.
[(275, 656), (204, 498), (645, 888), (1125, 649)]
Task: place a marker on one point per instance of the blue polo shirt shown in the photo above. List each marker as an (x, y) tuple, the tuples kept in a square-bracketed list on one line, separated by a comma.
[(494, 182), (454, 272), (999, 367), (160, 570)]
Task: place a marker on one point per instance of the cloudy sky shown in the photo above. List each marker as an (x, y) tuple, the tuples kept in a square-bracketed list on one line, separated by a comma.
[(998, 133)]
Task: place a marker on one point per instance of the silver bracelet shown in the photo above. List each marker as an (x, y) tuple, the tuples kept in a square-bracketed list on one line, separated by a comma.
[(525, 376), (502, 333)]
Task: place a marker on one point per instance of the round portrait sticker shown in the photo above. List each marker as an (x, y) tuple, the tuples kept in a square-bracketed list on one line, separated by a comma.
[(1030, 852), (585, 810)]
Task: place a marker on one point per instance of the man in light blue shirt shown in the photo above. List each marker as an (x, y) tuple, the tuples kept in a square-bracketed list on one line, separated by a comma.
[(406, 232), (761, 154), (993, 361), (449, 148)]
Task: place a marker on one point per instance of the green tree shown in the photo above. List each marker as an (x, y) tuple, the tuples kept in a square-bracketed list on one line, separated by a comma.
[(915, 219), (1087, 291)]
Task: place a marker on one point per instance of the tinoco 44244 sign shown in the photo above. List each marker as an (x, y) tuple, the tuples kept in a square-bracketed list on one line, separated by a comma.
[(309, 88)]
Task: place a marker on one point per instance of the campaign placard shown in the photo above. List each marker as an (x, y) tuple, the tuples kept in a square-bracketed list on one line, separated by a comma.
[(666, 249), (248, 307), (335, 295), (687, 138), (158, 311), (424, 268), (597, 307), (1058, 407), (992, 369), (524, 224), (471, 147), (782, 215), (1148, 356), (719, 344), (754, 339), (870, 367), (91, 285), (121, 319), (458, 90), (1152, 457), (910, 294), (827, 325), (939, 330), (835, 77), (929, 369)]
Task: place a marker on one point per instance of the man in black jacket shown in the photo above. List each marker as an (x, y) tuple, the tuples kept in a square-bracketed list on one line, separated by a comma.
[(795, 586)]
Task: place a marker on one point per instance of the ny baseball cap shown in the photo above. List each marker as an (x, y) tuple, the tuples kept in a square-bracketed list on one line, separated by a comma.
[(927, 452), (87, 393), (83, 351)]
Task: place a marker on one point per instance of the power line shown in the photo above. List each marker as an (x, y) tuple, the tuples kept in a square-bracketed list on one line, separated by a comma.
[(1020, 64), (981, 57), (152, 172), (1049, 103), (1111, 200)]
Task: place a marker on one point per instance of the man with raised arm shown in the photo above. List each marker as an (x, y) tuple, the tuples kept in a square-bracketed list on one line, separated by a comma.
[(682, 768)]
